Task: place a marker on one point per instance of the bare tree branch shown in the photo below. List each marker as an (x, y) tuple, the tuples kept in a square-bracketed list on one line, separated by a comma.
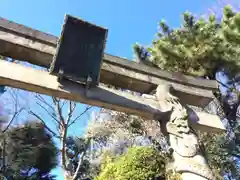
[(49, 113), (56, 101), (63, 103), (62, 130), (10, 122), (63, 124), (80, 162), (49, 129), (72, 106), (89, 107), (14, 94), (63, 146), (40, 98)]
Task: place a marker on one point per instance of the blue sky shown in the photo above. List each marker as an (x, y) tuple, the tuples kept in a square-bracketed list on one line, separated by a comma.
[(128, 21)]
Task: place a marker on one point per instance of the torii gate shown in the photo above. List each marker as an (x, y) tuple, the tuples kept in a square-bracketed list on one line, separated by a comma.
[(26, 44)]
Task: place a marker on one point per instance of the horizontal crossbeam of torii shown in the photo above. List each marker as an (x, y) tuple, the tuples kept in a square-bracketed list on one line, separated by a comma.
[(23, 43)]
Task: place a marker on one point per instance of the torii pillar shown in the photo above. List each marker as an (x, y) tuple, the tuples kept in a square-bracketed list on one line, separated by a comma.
[(188, 159)]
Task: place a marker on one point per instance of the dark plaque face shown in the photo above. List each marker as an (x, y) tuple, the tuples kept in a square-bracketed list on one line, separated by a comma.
[(80, 50)]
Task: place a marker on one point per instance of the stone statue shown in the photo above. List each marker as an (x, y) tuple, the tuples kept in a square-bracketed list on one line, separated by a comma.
[(187, 156)]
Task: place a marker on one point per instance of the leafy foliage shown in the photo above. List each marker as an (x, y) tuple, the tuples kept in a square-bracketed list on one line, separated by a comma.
[(138, 163), (117, 131), (31, 152), (76, 156)]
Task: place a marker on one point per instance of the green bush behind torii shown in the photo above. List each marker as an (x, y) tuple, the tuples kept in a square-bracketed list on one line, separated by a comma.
[(138, 163)]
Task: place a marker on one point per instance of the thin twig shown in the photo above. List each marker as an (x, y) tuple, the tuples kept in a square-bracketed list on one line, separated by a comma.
[(64, 102), (71, 109), (59, 110), (50, 114), (80, 161), (89, 107), (17, 112), (223, 85), (10, 122), (55, 100), (38, 117), (40, 98)]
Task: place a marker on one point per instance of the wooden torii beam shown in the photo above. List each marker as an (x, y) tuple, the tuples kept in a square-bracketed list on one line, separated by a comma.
[(27, 78), (24, 43)]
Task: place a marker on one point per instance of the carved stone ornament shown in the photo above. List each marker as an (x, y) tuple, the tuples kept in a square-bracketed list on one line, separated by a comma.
[(187, 156)]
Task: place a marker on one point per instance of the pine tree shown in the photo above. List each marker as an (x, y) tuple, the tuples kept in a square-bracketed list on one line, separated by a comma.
[(30, 152), (207, 48)]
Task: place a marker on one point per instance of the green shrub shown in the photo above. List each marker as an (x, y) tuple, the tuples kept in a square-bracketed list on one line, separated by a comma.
[(138, 163)]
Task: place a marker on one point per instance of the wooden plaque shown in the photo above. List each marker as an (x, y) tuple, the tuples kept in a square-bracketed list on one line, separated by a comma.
[(79, 50)]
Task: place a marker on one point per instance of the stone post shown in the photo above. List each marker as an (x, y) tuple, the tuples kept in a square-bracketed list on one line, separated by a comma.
[(188, 159)]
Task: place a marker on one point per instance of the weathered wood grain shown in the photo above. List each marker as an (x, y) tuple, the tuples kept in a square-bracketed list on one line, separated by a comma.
[(23, 43)]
